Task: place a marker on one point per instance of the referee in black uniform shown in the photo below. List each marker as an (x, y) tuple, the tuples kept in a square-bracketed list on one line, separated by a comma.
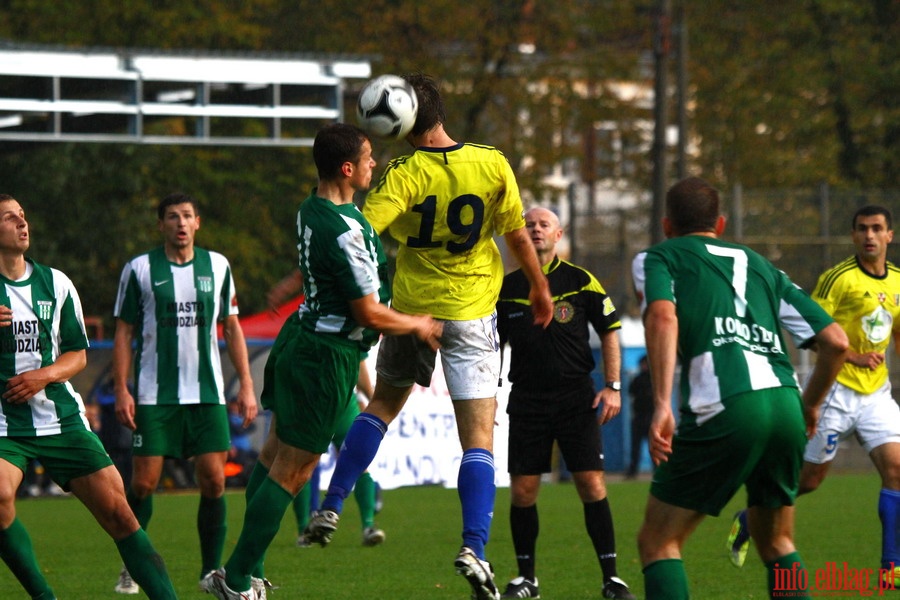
[(553, 398)]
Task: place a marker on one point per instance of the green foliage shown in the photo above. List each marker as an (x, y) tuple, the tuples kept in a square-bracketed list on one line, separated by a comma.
[(783, 95), (200, 24), (91, 207), (795, 93), (422, 526)]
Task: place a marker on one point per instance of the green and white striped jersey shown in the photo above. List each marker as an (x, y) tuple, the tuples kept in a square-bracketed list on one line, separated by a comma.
[(47, 322), (731, 304), (174, 309), (342, 259)]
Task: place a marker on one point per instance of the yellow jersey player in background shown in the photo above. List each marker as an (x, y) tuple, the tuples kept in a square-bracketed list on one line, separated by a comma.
[(861, 293)]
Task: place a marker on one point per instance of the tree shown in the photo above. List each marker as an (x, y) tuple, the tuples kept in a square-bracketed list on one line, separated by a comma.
[(781, 95), (793, 94), (164, 24), (92, 207)]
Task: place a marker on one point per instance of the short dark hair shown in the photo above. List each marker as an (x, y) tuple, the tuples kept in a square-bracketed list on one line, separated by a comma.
[(174, 199), (431, 110), (5, 197), (692, 205), (870, 211), (334, 145)]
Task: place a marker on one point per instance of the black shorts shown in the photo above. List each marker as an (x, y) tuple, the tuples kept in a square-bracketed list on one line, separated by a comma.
[(566, 418)]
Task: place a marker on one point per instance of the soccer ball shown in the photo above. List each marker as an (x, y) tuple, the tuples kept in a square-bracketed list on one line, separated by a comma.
[(387, 107)]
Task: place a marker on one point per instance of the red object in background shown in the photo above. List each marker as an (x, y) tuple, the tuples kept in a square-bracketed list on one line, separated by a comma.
[(266, 325), (232, 469)]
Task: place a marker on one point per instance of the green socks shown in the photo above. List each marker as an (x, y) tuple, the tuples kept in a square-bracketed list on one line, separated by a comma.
[(262, 519), (782, 576), (257, 476), (212, 528), (364, 492), (142, 509), (301, 507), (146, 566), (666, 580), (18, 554)]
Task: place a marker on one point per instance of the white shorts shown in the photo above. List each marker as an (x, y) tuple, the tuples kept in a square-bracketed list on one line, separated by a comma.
[(470, 356), (873, 418)]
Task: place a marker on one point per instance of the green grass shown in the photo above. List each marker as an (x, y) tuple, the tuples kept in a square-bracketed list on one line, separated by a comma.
[(837, 523)]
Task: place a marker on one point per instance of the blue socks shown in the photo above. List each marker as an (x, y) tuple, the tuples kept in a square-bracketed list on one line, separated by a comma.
[(357, 453), (475, 483), (476, 494), (888, 511)]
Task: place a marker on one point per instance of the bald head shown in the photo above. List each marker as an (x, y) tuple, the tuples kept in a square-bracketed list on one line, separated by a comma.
[(545, 232)]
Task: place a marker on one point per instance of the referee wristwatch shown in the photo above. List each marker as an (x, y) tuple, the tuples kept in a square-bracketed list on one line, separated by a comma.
[(614, 385)]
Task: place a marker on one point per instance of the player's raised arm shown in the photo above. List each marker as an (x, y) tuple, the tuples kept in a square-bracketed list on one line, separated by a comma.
[(522, 249), (367, 311)]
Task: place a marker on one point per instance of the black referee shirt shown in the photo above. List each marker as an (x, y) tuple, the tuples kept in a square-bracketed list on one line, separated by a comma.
[(544, 360)]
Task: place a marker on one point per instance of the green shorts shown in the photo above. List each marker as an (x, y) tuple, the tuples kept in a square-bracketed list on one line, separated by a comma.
[(313, 381), (180, 431), (757, 441), (287, 331), (65, 456), (345, 421)]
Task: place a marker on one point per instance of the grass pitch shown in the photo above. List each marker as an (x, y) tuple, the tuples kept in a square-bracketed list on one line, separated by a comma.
[(838, 523)]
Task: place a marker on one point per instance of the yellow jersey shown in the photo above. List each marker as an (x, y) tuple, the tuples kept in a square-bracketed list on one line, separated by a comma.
[(444, 205), (867, 307)]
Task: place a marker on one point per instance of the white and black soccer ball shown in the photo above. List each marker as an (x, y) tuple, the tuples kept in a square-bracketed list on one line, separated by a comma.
[(387, 107)]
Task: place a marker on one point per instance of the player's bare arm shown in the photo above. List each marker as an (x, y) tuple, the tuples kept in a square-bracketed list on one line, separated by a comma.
[(831, 344), (866, 360), (22, 387), (285, 289), (368, 312), (611, 400), (121, 365), (539, 297), (661, 325), (237, 352)]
